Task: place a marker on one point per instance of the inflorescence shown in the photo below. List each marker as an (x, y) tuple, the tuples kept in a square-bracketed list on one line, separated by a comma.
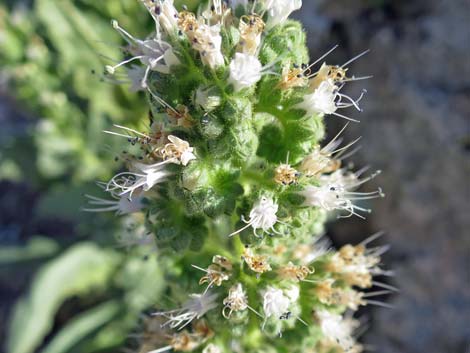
[(235, 186)]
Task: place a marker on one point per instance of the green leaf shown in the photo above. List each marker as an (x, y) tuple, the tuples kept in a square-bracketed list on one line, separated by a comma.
[(73, 32), (82, 326), (82, 268), (38, 247)]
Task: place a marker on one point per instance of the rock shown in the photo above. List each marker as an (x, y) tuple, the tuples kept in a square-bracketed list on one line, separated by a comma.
[(415, 128)]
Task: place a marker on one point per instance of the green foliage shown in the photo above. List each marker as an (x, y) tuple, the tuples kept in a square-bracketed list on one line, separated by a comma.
[(82, 326), (75, 273), (48, 55), (51, 56), (37, 248), (131, 284)]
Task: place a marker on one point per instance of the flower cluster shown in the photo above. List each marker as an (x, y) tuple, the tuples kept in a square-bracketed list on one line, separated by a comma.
[(230, 168)]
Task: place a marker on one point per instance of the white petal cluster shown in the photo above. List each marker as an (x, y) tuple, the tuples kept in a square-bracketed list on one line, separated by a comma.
[(293, 293), (276, 302), (327, 159), (307, 253), (155, 54), (235, 301), (167, 15), (337, 329), (263, 214), (207, 41), (164, 13), (195, 308), (178, 151), (356, 265), (121, 204), (245, 71), (316, 162), (328, 196), (322, 100), (336, 192), (251, 29), (280, 10), (144, 177), (161, 63)]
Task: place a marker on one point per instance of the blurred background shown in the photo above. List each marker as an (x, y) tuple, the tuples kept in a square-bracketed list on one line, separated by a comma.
[(53, 106)]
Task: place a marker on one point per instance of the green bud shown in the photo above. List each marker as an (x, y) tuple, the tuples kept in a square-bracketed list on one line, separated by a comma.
[(236, 110), (288, 35), (243, 141), (207, 98)]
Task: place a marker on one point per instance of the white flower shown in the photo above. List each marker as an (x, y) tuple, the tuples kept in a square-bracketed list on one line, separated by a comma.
[(245, 71), (216, 12), (322, 100), (262, 216), (280, 10), (136, 76), (235, 301), (325, 85), (309, 253), (122, 204), (292, 292), (336, 192), (164, 13), (337, 329), (167, 15), (207, 41), (178, 151), (275, 303), (356, 265), (327, 159), (211, 348), (146, 176), (251, 28), (155, 54), (169, 60), (195, 308)]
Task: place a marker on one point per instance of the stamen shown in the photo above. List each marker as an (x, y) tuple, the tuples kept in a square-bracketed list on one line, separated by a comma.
[(345, 117), (352, 79), (355, 58), (124, 34), (111, 69), (376, 294), (241, 230), (385, 286), (372, 238), (321, 58), (354, 103), (342, 149), (161, 101), (383, 305)]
